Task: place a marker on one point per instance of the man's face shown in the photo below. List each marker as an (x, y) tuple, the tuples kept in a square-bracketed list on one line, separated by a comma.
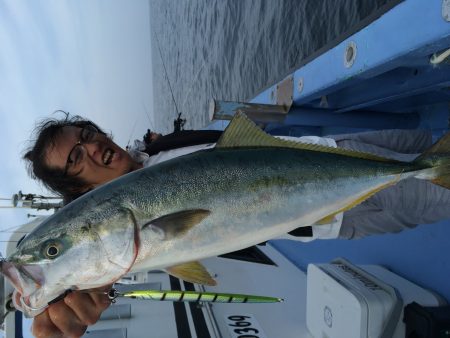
[(91, 156)]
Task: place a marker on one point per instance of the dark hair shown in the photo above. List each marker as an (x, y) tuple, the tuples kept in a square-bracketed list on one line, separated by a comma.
[(47, 131)]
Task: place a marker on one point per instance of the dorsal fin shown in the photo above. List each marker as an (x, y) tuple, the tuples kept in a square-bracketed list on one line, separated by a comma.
[(242, 132)]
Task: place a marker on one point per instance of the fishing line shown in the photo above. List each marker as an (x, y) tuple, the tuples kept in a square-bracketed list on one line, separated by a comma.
[(191, 87), (148, 116), (168, 80), (131, 134), (165, 72)]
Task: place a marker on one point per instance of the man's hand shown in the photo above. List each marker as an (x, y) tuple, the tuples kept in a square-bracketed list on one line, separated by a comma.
[(71, 316)]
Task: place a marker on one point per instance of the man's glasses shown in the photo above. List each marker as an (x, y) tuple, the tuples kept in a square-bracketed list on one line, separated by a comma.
[(78, 153)]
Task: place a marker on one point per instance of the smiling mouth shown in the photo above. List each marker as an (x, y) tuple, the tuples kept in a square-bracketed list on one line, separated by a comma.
[(108, 156)]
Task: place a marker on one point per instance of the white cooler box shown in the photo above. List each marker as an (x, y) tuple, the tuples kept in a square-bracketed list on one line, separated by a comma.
[(344, 300)]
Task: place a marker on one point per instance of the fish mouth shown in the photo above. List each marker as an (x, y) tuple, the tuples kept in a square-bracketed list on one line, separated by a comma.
[(26, 279), (32, 294), (108, 156), (10, 271)]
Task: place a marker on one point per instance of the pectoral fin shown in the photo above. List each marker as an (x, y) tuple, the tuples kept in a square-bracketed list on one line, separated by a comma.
[(193, 272), (178, 223)]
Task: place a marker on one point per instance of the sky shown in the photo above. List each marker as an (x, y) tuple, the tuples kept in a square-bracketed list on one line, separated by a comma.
[(87, 57)]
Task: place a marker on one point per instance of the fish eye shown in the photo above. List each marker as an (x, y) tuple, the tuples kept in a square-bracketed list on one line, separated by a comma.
[(52, 250)]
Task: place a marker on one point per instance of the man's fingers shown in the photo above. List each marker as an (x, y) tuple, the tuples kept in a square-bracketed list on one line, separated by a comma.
[(66, 320), (84, 307), (43, 327), (101, 299), (71, 316)]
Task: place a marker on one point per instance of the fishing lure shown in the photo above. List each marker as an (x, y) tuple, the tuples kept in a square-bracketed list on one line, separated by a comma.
[(191, 296)]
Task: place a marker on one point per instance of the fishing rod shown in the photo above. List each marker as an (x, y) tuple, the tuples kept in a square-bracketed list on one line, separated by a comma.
[(166, 74), (179, 122)]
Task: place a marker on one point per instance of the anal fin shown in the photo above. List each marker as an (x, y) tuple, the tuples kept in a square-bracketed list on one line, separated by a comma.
[(362, 198), (326, 220), (193, 272)]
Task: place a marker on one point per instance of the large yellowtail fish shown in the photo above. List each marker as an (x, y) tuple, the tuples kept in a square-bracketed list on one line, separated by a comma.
[(250, 188)]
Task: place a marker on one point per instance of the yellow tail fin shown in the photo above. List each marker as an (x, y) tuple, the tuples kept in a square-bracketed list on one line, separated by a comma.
[(438, 157)]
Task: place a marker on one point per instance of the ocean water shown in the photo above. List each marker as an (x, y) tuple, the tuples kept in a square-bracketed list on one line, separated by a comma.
[(232, 49)]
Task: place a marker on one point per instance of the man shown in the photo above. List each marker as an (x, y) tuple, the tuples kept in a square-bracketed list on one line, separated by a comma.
[(72, 156), (52, 162)]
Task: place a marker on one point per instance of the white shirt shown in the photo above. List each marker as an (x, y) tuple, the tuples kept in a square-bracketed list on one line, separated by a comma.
[(323, 231)]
